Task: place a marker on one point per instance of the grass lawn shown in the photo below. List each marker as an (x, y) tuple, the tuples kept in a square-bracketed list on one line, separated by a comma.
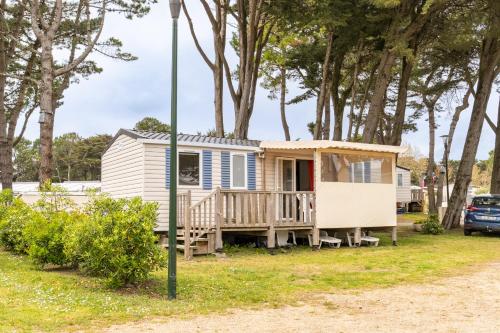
[(411, 217), (58, 300)]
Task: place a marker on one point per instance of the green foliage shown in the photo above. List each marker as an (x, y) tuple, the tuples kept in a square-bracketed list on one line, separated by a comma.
[(110, 238), (432, 226), (6, 198), (116, 240), (75, 158), (12, 224), (26, 157), (150, 124), (45, 237), (54, 198)]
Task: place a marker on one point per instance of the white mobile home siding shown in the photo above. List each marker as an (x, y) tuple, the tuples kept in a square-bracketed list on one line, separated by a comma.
[(155, 188), (123, 168), (403, 193)]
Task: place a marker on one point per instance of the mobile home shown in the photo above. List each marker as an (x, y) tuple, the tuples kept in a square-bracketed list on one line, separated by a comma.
[(257, 187), (403, 190)]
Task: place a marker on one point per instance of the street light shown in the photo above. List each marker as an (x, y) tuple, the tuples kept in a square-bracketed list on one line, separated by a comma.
[(446, 152), (175, 9)]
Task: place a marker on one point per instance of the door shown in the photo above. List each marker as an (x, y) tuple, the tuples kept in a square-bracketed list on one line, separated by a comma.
[(285, 182), (285, 175)]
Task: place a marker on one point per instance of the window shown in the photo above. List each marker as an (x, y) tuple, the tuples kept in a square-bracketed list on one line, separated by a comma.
[(400, 180), (238, 170), (189, 169), (347, 168), (487, 202)]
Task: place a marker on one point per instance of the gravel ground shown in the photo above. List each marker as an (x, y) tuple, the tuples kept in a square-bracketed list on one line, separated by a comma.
[(468, 303)]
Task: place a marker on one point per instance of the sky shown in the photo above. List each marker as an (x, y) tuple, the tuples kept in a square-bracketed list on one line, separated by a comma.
[(124, 93)]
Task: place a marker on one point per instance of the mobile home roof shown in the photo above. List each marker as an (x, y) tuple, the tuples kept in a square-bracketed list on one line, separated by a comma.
[(325, 144)]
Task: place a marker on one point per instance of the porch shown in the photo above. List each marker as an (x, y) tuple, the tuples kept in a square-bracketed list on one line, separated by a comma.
[(260, 213)]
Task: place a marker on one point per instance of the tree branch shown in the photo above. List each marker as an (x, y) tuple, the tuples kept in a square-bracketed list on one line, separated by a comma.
[(491, 123), (195, 38), (70, 66)]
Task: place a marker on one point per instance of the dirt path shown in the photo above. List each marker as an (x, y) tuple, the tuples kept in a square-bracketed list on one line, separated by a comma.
[(469, 303)]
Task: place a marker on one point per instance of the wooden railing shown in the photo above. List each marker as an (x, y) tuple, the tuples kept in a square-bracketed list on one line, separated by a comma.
[(183, 202), (228, 209), (295, 208), (417, 195), (254, 209), (202, 216)]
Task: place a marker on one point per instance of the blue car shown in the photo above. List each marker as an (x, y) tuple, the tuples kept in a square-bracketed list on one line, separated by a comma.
[(483, 215)]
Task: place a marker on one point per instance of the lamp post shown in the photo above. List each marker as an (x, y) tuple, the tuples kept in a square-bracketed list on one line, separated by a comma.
[(175, 9), (445, 142)]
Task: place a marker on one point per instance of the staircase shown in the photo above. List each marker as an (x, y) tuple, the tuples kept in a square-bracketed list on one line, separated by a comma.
[(204, 244), (196, 225)]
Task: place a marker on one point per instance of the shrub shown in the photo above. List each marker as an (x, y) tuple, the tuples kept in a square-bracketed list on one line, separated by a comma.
[(432, 225), (54, 198), (43, 233), (12, 224), (117, 241), (45, 237)]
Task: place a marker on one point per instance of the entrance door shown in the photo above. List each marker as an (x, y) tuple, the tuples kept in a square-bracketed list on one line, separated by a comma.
[(285, 174), (285, 182)]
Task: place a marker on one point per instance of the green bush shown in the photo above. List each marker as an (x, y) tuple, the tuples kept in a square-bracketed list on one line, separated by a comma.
[(44, 234), (116, 241), (14, 219), (432, 225), (45, 237)]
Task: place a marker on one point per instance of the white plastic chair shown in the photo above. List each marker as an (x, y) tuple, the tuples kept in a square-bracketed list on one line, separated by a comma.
[(331, 241)]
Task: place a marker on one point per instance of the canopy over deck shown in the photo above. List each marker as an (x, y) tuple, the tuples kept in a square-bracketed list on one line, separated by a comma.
[(327, 144)]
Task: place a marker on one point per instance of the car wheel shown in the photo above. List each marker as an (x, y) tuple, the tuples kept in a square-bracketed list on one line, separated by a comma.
[(467, 232)]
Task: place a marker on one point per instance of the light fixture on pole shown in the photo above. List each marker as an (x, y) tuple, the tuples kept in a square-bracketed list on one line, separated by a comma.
[(446, 153), (175, 9)]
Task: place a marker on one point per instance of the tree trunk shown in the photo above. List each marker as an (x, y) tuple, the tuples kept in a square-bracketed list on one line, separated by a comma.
[(399, 116), (439, 192), (338, 101), (489, 58), (353, 90), (378, 98), (328, 120), (218, 23), (284, 123), (47, 111), (495, 176), (6, 165), (4, 158), (359, 118), (322, 92), (219, 96), (431, 166)]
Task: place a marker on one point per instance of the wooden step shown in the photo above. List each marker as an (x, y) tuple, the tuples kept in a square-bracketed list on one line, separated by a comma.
[(201, 239), (182, 247)]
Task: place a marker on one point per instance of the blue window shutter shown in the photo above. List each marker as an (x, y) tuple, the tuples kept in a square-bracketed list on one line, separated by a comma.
[(167, 167), (368, 171), (225, 166), (207, 169), (252, 179)]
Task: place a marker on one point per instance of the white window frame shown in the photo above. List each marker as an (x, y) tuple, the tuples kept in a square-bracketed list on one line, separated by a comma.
[(200, 167), (402, 179), (362, 173), (231, 168)]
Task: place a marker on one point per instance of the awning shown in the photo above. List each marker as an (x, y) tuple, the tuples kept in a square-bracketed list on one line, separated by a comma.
[(325, 144)]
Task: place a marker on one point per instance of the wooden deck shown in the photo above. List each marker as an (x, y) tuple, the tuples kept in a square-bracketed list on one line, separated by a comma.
[(265, 212)]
